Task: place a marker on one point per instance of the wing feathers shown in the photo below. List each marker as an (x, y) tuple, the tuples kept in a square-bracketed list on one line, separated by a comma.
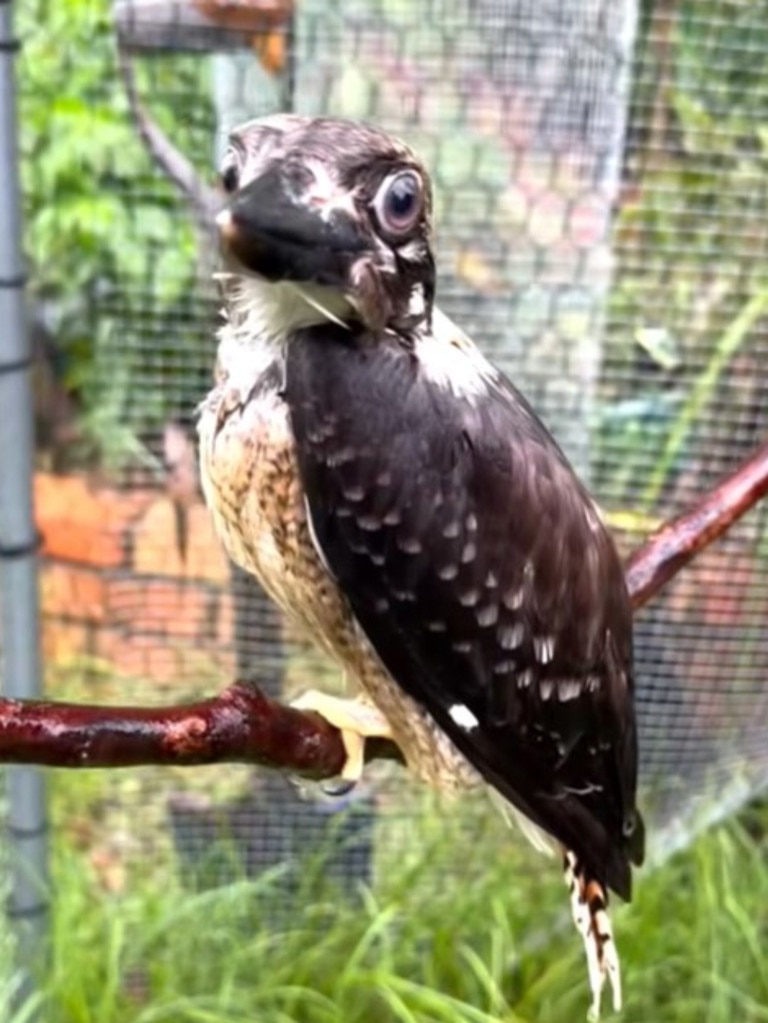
[(475, 565)]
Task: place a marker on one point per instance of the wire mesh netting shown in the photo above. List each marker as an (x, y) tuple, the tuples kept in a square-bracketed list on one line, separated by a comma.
[(600, 176)]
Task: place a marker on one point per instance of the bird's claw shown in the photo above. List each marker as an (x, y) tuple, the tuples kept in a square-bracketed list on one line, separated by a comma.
[(337, 789), (356, 720)]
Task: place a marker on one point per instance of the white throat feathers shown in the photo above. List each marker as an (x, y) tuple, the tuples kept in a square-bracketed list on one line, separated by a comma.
[(264, 313)]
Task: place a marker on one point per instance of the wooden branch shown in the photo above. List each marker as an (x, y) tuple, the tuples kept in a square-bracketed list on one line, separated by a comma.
[(204, 199), (241, 725), (678, 542)]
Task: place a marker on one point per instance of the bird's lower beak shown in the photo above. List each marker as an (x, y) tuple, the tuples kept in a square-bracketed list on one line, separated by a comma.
[(269, 233)]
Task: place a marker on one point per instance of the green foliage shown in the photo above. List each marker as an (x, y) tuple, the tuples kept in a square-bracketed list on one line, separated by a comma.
[(462, 927), (103, 231), (691, 237)]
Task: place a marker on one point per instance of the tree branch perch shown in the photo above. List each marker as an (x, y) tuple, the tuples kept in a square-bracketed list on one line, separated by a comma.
[(242, 725)]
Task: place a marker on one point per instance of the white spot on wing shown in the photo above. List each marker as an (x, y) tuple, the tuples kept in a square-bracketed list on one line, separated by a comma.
[(353, 492), (409, 545), (513, 599), (451, 530), (448, 572), (568, 690), (544, 648), (524, 679), (511, 636), (504, 667), (463, 717), (340, 457), (468, 553), (370, 523), (488, 615)]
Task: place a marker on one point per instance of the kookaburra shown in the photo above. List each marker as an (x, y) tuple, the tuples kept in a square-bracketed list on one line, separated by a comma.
[(400, 500)]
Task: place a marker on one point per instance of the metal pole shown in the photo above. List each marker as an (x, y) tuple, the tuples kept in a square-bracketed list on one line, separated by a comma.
[(18, 539)]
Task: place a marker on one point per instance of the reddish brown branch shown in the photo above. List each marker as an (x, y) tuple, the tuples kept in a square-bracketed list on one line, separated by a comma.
[(241, 725), (678, 542)]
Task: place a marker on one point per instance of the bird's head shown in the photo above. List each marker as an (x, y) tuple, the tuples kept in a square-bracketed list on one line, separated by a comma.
[(334, 216)]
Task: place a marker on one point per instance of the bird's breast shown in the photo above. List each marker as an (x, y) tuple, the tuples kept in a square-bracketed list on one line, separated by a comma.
[(251, 484)]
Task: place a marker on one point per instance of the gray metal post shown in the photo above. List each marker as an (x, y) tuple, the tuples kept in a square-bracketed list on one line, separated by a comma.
[(18, 562)]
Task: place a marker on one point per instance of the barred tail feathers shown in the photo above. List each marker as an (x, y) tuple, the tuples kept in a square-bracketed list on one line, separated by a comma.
[(589, 906)]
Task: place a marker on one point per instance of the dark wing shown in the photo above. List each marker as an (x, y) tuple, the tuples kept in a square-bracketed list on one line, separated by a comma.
[(477, 567)]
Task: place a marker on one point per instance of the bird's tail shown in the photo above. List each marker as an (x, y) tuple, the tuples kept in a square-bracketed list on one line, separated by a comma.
[(589, 906)]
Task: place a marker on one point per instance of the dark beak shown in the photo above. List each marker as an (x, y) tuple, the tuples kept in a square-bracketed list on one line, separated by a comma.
[(271, 234)]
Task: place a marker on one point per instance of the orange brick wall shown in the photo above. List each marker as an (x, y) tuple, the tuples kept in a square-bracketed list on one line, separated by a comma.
[(115, 591)]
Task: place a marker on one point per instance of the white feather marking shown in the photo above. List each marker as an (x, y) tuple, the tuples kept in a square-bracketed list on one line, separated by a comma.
[(525, 678), (488, 615), (592, 684), (568, 690), (544, 648), (325, 195), (315, 541), (451, 361), (511, 636), (323, 309), (260, 312), (504, 667), (513, 599), (416, 304), (413, 251), (463, 717), (469, 552)]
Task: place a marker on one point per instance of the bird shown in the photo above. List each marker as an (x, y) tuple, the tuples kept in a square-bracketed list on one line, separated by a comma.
[(401, 501)]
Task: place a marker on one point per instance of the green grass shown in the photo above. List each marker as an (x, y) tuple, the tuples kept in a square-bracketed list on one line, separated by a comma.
[(461, 928)]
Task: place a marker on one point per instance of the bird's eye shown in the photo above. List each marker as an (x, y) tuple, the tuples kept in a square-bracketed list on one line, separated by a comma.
[(230, 178), (399, 202)]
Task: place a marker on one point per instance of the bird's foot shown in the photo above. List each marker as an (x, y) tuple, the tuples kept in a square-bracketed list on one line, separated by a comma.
[(357, 720), (590, 914)]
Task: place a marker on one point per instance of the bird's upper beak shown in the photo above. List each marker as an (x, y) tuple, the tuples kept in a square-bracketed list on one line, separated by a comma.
[(269, 232)]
